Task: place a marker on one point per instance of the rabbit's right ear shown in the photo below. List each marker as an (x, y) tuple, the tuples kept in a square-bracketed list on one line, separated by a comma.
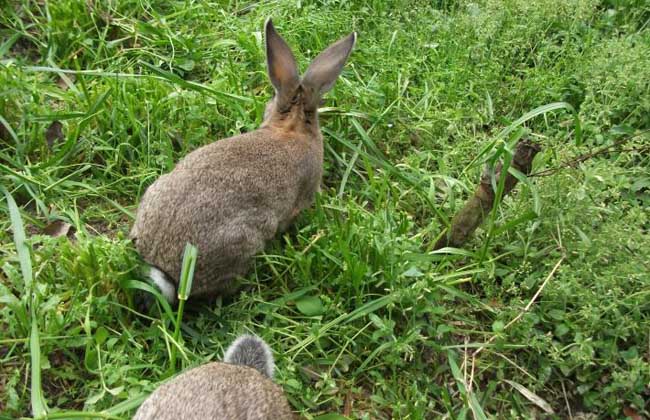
[(326, 68), (282, 67), (250, 350)]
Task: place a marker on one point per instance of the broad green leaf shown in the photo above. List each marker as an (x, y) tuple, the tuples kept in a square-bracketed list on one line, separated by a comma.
[(310, 306)]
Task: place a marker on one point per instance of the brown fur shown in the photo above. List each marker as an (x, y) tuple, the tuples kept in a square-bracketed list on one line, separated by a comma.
[(230, 197), (217, 391), (241, 388), (224, 198)]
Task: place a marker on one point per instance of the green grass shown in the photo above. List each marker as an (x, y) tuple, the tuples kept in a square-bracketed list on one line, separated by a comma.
[(364, 319)]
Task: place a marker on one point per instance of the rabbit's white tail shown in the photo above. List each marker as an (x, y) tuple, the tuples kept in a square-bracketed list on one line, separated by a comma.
[(166, 287), (251, 351)]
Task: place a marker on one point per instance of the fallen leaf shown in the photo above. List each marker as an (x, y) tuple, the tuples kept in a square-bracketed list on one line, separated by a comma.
[(54, 133), (4, 133), (57, 358), (413, 272), (495, 303), (632, 413), (65, 82), (176, 139), (532, 397), (57, 228)]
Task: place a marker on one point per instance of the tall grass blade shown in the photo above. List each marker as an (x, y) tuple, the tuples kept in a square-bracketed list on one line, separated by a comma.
[(19, 239), (177, 80), (6, 46), (160, 75), (39, 407), (543, 110), (10, 130), (125, 406), (187, 273), (370, 307), (184, 289), (381, 161), (65, 415), (527, 117)]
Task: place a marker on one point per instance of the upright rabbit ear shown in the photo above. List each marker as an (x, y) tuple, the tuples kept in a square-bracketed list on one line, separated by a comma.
[(325, 68), (252, 351), (283, 71)]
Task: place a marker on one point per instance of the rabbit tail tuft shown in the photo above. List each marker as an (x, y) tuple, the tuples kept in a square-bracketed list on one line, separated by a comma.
[(163, 283)]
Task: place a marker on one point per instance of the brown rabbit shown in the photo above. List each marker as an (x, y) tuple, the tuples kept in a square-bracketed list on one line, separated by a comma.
[(228, 198), (240, 388)]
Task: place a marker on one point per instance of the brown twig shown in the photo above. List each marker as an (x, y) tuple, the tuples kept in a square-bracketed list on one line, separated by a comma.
[(566, 401), (572, 163)]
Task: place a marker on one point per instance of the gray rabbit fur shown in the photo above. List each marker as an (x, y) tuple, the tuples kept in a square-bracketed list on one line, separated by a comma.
[(239, 388), (229, 197)]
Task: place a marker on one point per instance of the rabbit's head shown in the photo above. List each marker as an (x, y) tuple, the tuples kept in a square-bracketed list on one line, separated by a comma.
[(296, 100)]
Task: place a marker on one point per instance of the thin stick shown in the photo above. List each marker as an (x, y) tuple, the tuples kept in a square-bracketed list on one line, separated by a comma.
[(581, 158), (566, 400), (524, 371), (469, 389)]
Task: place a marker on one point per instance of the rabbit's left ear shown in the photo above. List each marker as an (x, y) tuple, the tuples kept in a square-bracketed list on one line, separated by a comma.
[(282, 68), (250, 350), (326, 68)]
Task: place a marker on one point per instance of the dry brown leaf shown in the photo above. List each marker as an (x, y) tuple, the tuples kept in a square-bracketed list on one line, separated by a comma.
[(54, 133), (57, 228), (347, 405), (64, 84), (4, 133), (632, 413), (177, 140), (495, 303)]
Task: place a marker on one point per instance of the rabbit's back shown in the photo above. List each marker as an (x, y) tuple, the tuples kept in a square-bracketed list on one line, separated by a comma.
[(217, 391), (227, 198)]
